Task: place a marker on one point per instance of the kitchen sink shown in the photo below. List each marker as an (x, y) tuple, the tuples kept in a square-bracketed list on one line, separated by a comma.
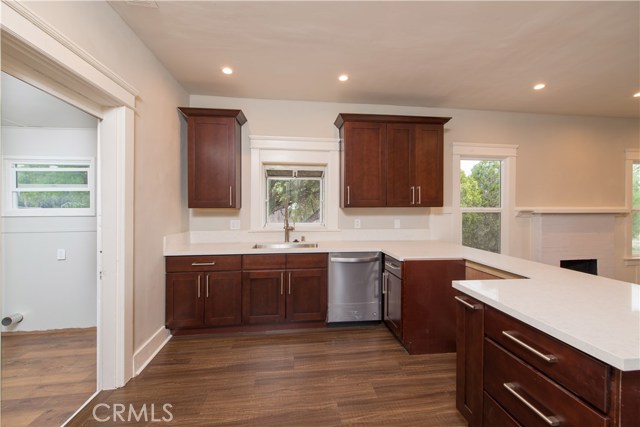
[(285, 245)]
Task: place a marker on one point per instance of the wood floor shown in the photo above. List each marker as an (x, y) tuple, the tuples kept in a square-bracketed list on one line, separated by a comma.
[(46, 376), (327, 377)]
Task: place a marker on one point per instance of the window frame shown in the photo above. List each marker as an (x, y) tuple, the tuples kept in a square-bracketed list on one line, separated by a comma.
[(283, 150), (295, 169), (504, 153), (632, 156), (10, 187)]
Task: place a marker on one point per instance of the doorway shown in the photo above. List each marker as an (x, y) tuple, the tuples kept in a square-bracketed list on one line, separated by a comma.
[(49, 232)]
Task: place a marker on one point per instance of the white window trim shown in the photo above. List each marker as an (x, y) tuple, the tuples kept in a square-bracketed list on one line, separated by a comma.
[(503, 152), (632, 155), (270, 150), (9, 187)]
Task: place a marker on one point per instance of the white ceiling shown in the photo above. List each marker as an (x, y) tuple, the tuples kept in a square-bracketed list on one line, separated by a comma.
[(26, 106), (477, 55)]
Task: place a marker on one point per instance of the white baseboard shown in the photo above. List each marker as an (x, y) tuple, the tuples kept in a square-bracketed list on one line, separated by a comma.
[(149, 349)]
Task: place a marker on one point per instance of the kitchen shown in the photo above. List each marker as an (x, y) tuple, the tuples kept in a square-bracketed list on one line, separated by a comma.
[(549, 146)]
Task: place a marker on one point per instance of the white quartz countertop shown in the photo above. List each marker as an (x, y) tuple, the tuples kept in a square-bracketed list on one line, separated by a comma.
[(596, 315)]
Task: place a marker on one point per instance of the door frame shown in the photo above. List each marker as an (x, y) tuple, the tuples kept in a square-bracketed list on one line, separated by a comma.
[(35, 52)]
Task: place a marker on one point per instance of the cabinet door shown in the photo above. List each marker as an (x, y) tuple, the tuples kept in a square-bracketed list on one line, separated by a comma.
[(307, 295), (184, 300), (427, 164), (469, 339), (393, 304), (401, 190), (263, 299), (214, 162), (223, 298), (364, 167)]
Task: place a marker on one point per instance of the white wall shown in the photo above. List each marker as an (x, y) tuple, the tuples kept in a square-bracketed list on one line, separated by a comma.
[(50, 293), (563, 161), (160, 206)]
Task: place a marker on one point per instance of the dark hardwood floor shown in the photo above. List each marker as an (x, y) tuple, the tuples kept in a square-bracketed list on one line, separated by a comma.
[(329, 377), (46, 376)]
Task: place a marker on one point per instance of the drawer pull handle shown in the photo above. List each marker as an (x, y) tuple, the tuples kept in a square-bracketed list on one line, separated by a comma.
[(549, 358), (550, 420), (467, 304), (203, 263), (392, 266)]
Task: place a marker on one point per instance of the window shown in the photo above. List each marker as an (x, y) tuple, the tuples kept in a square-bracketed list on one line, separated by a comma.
[(484, 194), (298, 189), (48, 187), (481, 203), (635, 209)]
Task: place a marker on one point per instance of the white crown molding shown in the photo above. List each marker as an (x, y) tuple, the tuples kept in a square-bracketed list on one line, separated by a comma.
[(294, 143), (484, 150), (27, 14)]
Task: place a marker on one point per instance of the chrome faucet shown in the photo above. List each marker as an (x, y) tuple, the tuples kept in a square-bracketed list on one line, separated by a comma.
[(287, 228)]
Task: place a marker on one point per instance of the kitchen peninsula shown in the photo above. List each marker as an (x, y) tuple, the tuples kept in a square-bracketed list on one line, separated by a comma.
[(592, 322)]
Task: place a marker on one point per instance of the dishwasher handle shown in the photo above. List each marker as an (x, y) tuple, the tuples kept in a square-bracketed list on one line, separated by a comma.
[(355, 260)]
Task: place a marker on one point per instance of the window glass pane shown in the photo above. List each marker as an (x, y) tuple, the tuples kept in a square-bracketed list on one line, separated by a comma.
[(53, 200), (480, 183), (481, 230), (303, 197), (635, 233), (635, 186), (26, 179)]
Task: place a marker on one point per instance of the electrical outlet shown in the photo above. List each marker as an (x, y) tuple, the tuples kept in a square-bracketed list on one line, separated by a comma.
[(61, 254), (396, 223), (356, 223), (234, 224)]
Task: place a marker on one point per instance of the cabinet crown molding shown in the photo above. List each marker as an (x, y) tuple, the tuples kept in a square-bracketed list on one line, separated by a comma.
[(349, 117), (213, 112)]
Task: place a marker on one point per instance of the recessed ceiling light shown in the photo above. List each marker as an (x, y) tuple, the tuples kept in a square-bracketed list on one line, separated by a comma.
[(227, 70), (343, 77), (539, 86), (636, 95)]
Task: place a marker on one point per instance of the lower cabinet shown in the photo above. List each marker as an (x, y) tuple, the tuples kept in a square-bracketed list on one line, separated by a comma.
[(201, 293), (284, 288), (511, 374), (418, 303)]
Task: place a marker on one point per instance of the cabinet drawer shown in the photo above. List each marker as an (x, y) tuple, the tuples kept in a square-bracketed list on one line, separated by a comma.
[(493, 415), (529, 396), (306, 261), (579, 372), (264, 262), (202, 263)]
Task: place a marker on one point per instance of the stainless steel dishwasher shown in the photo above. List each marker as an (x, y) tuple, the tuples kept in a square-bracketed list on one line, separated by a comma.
[(354, 287)]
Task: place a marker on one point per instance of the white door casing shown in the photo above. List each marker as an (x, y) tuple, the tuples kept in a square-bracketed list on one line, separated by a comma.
[(37, 53)]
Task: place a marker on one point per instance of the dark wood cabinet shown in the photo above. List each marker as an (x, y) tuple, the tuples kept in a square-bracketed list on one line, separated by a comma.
[(263, 299), (469, 340), (364, 164), (284, 288), (392, 295), (391, 160), (202, 292), (213, 154), (418, 303), (428, 308), (511, 374)]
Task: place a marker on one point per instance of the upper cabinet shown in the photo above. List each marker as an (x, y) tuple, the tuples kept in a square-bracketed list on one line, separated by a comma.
[(390, 160), (214, 157)]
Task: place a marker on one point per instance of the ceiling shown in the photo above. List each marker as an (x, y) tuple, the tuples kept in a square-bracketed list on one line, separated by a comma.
[(475, 55)]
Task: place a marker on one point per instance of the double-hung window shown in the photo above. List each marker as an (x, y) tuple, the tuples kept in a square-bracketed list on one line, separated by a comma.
[(633, 177), (49, 187), (295, 190), (484, 194), (481, 203)]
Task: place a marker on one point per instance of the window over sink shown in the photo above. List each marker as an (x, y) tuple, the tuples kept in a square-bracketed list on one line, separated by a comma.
[(296, 191)]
